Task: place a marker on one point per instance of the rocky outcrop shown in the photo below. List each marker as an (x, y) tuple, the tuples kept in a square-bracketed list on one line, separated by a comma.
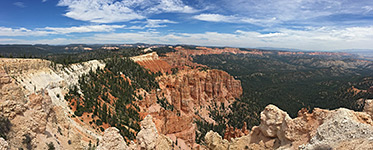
[(341, 125), (325, 129), (33, 121), (148, 137), (4, 78), (145, 57), (148, 134), (152, 62), (231, 132), (31, 96), (19, 66), (112, 140), (164, 142), (190, 92), (368, 107), (190, 89), (3, 144), (12, 99), (215, 142)]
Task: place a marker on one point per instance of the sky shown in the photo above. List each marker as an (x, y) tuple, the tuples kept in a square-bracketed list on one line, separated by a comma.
[(298, 24)]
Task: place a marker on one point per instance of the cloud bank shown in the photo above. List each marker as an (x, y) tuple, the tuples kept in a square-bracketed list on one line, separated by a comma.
[(310, 39), (110, 11)]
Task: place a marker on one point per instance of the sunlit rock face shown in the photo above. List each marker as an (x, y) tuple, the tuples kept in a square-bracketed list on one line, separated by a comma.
[(325, 129)]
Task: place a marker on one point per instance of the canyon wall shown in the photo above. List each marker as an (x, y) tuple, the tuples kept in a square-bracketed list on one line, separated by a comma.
[(32, 97), (190, 90), (152, 62)]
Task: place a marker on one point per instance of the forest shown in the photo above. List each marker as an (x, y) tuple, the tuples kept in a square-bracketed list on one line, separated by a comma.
[(289, 82), (295, 82), (109, 93)]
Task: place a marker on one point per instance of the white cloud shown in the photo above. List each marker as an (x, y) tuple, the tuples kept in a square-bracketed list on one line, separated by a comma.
[(99, 11), (171, 6), (109, 11), (298, 11), (4, 31), (136, 27), (321, 38), (151, 23), (157, 23), (234, 19), (367, 9), (20, 4), (216, 18), (81, 29), (263, 22), (43, 1)]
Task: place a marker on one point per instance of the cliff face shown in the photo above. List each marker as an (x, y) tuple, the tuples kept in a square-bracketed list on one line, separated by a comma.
[(321, 129), (11, 96), (190, 91), (31, 97), (152, 62)]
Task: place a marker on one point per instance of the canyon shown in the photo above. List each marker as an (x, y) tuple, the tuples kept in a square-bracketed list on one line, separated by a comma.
[(29, 82), (32, 97)]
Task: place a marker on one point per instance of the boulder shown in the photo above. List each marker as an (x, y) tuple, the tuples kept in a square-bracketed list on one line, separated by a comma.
[(112, 140), (147, 137), (368, 107), (215, 142), (3, 144), (341, 126)]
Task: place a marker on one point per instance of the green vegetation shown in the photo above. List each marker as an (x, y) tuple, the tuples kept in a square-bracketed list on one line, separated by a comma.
[(294, 82), (289, 82), (174, 70), (27, 141), (217, 113), (50, 146), (161, 51), (90, 146), (66, 54), (4, 126), (164, 103), (66, 59), (109, 94), (241, 111)]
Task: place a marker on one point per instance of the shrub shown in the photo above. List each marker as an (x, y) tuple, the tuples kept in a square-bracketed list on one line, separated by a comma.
[(51, 146), (4, 126), (27, 140)]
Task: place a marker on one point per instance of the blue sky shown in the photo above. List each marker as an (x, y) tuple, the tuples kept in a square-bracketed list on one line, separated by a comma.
[(300, 24)]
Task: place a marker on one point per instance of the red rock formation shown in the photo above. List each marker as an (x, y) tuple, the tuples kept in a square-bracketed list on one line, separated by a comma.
[(191, 91), (156, 65), (180, 60), (152, 62), (231, 132)]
